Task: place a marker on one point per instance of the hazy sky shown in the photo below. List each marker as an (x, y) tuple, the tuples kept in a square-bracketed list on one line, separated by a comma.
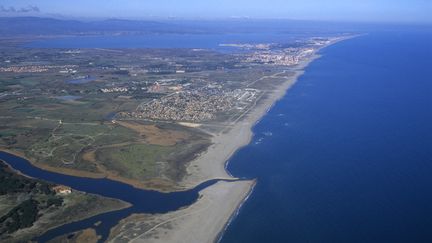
[(358, 10)]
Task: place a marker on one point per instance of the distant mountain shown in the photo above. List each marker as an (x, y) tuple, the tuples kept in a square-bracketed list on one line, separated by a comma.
[(10, 26), (28, 26)]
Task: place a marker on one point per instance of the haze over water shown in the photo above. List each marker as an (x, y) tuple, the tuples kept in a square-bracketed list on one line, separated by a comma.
[(346, 155)]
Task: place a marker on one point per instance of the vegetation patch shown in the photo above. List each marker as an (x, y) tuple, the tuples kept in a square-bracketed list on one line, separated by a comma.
[(30, 207)]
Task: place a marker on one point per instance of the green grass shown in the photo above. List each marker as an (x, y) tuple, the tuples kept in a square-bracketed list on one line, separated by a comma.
[(83, 129), (7, 132), (88, 109), (29, 82), (137, 161), (8, 202), (102, 134)]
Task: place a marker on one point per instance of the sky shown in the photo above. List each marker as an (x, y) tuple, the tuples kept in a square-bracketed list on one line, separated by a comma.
[(339, 10)]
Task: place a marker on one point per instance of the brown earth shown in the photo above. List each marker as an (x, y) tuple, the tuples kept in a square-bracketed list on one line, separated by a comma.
[(88, 235), (154, 135)]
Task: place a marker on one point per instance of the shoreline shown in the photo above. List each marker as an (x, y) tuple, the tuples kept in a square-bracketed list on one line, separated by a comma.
[(221, 157), (213, 153), (219, 202), (225, 145), (218, 238), (212, 164), (199, 169)]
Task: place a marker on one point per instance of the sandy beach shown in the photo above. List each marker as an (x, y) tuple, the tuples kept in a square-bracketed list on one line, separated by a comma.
[(211, 164), (201, 222), (206, 220)]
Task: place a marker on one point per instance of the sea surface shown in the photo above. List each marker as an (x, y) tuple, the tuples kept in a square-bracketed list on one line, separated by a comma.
[(346, 155)]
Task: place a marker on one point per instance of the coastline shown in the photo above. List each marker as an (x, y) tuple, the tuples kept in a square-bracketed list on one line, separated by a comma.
[(224, 145), (211, 165), (219, 236), (191, 224)]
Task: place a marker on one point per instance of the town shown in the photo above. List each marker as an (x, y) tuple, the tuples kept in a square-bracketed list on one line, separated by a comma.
[(193, 106)]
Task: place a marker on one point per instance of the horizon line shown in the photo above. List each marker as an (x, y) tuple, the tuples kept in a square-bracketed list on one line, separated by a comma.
[(231, 18)]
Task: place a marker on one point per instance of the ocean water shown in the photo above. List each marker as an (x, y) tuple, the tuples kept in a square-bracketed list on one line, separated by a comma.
[(346, 155)]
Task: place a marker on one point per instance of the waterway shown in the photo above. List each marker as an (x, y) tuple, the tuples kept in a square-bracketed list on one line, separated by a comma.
[(143, 201)]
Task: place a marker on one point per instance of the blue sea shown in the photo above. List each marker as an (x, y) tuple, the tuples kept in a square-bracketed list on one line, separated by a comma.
[(346, 155)]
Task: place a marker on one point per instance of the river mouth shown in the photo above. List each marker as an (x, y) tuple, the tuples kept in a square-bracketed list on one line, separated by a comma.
[(142, 201)]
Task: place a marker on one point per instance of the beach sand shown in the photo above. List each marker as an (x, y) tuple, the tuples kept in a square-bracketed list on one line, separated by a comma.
[(201, 222), (211, 164), (205, 220)]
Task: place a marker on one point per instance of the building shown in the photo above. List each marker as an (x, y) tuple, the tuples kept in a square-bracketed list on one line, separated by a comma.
[(62, 190)]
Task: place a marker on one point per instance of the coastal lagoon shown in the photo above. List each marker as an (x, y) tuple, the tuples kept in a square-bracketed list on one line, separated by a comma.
[(198, 41), (346, 155)]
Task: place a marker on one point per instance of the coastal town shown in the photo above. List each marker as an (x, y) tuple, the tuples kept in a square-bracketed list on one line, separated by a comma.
[(193, 106), (22, 68), (284, 57)]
